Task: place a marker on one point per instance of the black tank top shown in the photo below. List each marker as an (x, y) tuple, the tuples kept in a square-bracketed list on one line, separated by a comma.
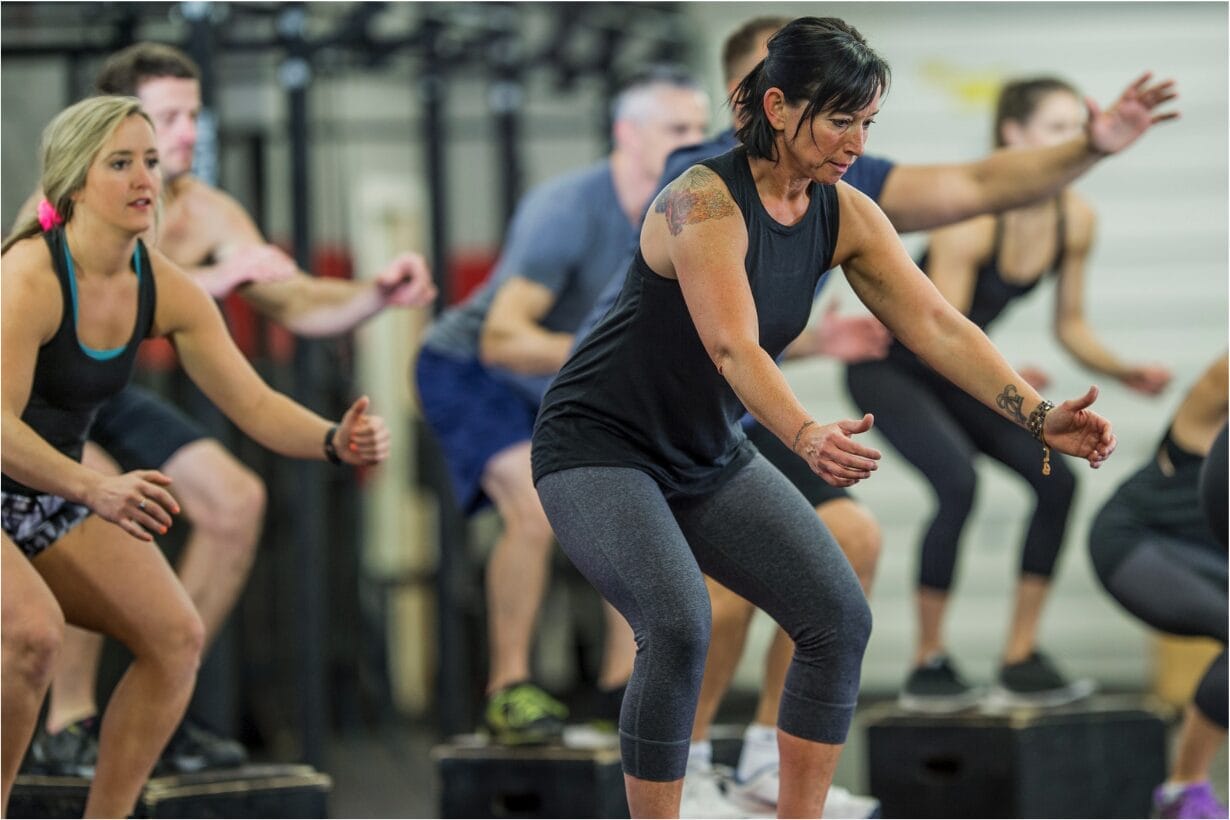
[(71, 380), (641, 391), (992, 293)]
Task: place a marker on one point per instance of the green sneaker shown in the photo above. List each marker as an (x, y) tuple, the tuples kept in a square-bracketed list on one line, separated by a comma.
[(523, 714)]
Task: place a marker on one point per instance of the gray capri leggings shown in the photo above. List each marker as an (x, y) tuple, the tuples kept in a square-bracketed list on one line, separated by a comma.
[(756, 535)]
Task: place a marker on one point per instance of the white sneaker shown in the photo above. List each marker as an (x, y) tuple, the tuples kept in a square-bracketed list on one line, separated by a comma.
[(590, 736), (704, 795), (758, 792), (842, 804)]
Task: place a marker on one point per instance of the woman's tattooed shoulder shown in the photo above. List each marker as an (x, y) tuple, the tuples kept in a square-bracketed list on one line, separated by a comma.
[(694, 197)]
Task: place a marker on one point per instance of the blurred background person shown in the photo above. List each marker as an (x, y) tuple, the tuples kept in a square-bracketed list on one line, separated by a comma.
[(482, 365), (981, 266), (1154, 551)]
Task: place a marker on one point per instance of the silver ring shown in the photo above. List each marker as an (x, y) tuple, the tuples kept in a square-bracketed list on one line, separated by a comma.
[(141, 506)]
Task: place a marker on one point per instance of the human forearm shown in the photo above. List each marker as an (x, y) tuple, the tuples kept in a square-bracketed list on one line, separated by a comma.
[(315, 306), (925, 197), (958, 350), (282, 425), (1012, 177), (528, 349), (1081, 342), (762, 388), (28, 458), (217, 280)]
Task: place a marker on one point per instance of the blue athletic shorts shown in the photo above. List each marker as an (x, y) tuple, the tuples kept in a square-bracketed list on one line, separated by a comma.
[(141, 430), (474, 416)]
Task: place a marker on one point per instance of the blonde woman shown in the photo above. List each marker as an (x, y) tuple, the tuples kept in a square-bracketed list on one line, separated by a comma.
[(80, 292)]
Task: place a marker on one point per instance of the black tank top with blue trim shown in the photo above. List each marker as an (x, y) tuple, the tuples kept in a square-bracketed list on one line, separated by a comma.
[(71, 380), (642, 392)]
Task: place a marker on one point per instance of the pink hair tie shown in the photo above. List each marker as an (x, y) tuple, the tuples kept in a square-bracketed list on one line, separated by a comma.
[(48, 216)]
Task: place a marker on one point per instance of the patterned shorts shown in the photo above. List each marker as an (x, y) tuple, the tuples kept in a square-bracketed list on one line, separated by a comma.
[(36, 522)]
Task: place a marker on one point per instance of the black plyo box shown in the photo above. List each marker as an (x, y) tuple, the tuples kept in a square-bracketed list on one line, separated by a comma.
[(1098, 758)]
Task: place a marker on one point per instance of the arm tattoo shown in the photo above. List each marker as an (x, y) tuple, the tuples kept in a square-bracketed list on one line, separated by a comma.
[(693, 198), (1010, 402)]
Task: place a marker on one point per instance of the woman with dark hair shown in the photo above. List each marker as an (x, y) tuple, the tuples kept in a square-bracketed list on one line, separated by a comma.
[(980, 266), (638, 454), (81, 291), (1155, 552)]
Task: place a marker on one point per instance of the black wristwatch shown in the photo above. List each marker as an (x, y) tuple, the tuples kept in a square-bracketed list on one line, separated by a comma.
[(330, 450)]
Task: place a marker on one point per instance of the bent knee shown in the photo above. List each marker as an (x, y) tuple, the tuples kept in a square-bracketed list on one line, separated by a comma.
[(840, 627), (526, 522), (244, 498), (32, 646), (178, 642), (680, 635), (233, 508), (956, 492)]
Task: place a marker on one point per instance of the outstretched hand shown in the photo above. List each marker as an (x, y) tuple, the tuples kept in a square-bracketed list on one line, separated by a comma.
[(1035, 377), (360, 438), (1150, 379), (1135, 111), (136, 502), (1074, 429), (833, 454), (406, 282), (850, 339)]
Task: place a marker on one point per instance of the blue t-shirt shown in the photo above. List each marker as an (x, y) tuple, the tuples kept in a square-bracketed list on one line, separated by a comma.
[(866, 174), (567, 234)]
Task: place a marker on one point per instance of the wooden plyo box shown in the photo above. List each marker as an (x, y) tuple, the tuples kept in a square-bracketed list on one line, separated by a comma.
[(248, 791)]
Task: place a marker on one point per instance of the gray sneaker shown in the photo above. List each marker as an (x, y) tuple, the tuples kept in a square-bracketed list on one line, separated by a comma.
[(936, 688)]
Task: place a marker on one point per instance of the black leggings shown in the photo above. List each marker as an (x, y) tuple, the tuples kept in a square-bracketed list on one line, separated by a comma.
[(756, 535), (1213, 494), (938, 428), (1172, 583)]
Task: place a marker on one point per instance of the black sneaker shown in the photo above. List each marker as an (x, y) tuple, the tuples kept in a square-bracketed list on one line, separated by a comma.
[(523, 714), (601, 731), (935, 687), (607, 705), (194, 748), (70, 752), (1036, 682)]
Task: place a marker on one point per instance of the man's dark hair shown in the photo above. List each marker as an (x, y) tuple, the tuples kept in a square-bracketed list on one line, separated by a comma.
[(743, 42), (126, 69)]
